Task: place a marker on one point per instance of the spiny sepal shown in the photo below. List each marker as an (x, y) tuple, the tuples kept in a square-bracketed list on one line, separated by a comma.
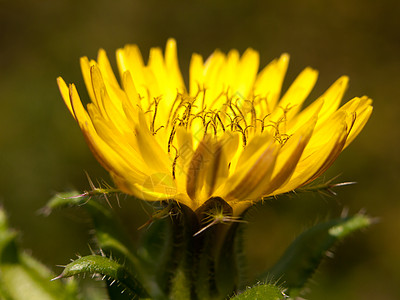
[(115, 273), (265, 291), (304, 255), (74, 198), (325, 188), (62, 200)]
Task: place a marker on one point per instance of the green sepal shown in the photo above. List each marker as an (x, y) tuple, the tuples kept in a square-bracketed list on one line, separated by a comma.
[(231, 262), (22, 276), (156, 246), (215, 217), (265, 291), (167, 247), (305, 254), (108, 268)]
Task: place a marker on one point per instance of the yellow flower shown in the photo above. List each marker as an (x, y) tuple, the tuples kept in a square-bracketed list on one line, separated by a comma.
[(230, 135)]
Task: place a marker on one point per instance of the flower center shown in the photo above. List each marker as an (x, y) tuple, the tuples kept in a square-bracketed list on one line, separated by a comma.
[(202, 117), (225, 112)]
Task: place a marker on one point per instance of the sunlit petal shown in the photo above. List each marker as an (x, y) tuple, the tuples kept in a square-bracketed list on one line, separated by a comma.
[(228, 135)]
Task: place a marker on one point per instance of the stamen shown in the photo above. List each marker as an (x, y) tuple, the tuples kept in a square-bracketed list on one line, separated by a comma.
[(253, 112), (188, 112), (281, 138), (156, 101), (240, 129), (206, 127), (241, 113), (231, 123), (171, 137), (219, 119), (263, 122), (174, 161), (247, 127), (178, 95), (150, 103), (195, 117), (203, 101), (158, 129)]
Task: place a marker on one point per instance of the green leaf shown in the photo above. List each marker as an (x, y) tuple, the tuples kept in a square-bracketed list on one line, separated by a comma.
[(23, 277), (108, 268), (304, 255), (261, 292), (110, 234), (112, 239)]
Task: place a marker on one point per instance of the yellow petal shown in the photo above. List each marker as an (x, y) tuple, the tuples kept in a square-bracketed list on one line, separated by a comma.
[(254, 167), (196, 71), (85, 69), (198, 169), (78, 110), (172, 66), (289, 156), (320, 151), (130, 59), (131, 103), (218, 170), (184, 149), (157, 67), (105, 68), (362, 116), (332, 98), (153, 188), (213, 83), (297, 93), (247, 72), (154, 156), (64, 90), (230, 70), (268, 84), (109, 106)]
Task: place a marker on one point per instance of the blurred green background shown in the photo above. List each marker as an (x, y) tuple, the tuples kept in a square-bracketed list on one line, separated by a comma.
[(42, 151)]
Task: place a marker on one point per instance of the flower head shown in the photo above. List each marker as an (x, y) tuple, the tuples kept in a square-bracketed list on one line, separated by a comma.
[(228, 135)]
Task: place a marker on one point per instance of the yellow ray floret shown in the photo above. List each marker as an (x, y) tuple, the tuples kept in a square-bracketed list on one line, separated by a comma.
[(229, 135)]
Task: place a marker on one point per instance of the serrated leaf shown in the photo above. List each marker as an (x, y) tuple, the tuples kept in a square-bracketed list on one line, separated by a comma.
[(108, 268), (304, 255)]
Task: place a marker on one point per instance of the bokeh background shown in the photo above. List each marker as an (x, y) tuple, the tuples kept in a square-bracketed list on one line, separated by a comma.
[(43, 152)]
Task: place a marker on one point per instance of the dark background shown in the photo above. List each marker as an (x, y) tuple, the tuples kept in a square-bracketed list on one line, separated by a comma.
[(42, 151)]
